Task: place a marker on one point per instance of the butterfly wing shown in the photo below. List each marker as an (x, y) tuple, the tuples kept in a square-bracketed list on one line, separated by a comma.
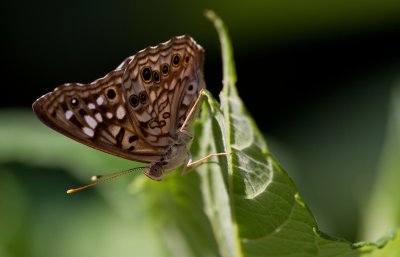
[(134, 111), (95, 114), (161, 85)]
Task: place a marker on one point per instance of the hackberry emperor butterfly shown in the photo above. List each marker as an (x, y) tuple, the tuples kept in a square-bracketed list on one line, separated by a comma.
[(144, 110)]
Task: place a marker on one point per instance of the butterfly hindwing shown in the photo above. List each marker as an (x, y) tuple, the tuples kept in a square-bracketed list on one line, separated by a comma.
[(161, 84)]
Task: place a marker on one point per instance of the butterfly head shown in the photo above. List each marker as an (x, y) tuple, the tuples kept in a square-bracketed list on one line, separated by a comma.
[(155, 171)]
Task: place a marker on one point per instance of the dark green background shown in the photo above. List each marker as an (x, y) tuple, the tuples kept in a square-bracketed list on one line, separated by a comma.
[(316, 75)]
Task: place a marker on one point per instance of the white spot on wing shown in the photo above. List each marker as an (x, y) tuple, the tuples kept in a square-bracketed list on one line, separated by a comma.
[(187, 99), (90, 121), (98, 117), (120, 112), (109, 115), (68, 114), (100, 100), (91, 106), (88, 131)]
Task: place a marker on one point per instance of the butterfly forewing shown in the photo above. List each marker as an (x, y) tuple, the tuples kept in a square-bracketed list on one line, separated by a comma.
[(134, 110)]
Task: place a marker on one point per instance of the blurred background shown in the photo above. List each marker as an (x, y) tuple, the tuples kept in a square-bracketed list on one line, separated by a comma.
[(318, 77)]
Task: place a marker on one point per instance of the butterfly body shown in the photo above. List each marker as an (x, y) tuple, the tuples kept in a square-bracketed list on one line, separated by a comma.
[(177, 154), (142, 111)]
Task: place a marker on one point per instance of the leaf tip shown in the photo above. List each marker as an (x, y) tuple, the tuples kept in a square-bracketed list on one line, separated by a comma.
[(210, 14)]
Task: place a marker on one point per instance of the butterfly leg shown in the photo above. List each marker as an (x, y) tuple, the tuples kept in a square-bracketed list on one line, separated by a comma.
[(192, 114), (191, 165)]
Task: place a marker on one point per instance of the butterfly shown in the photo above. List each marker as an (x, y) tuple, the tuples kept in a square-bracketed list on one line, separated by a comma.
[(144, 110)]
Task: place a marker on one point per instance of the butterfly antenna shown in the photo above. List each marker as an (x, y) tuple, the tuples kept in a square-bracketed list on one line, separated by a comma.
[(104, 178)]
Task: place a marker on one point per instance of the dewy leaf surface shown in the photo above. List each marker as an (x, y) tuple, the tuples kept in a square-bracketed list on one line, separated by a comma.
[(243, 204)]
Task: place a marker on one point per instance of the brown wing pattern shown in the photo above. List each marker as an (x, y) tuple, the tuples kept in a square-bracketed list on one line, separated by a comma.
[(95, 114), (126, 113), (161, 84)]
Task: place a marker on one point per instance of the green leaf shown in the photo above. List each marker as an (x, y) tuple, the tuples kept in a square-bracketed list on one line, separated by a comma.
[(389, 245), (244, 204)]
